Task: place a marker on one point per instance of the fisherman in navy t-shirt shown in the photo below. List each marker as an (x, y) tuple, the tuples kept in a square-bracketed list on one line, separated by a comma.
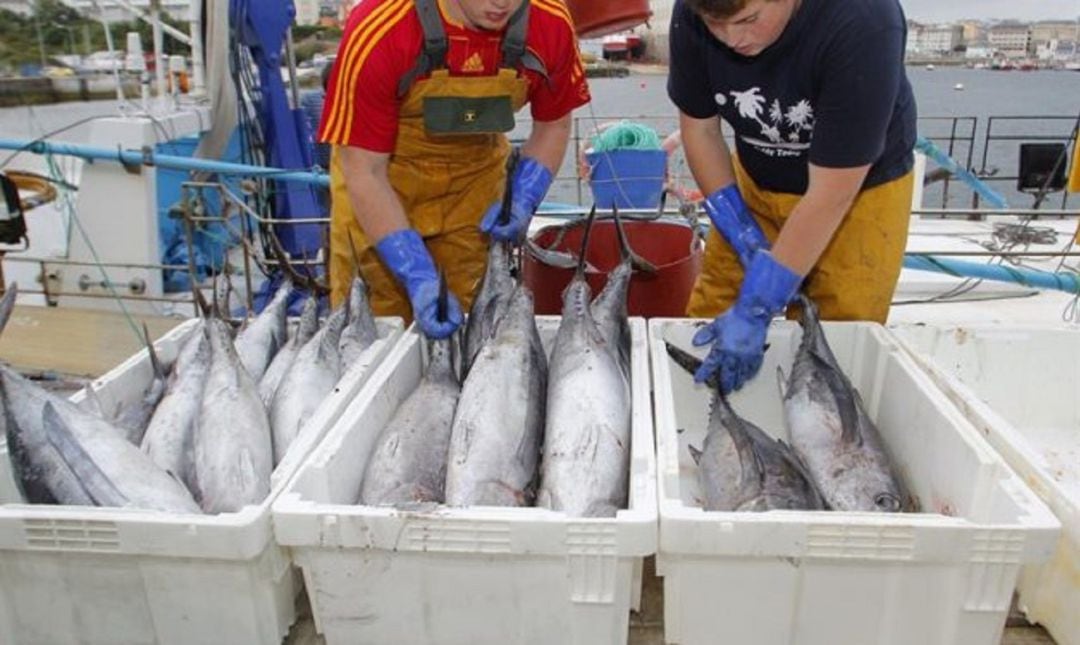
[(824, 125)]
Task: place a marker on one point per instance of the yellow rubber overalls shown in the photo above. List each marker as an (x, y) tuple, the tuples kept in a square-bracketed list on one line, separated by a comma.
[(856, 275), (445, 183)]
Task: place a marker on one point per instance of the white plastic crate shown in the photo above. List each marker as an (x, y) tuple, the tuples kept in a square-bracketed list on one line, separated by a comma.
[(463, 576), (941, 577), (1020, 386), (97, 576)]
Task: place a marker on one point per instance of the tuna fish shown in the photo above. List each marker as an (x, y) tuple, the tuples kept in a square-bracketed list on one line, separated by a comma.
[(135, 418), (741, 468), (233, 455), (832, 432), (408, 462), (314, 373), (499, 423), (609, 308), (283, 360), (491, 299), (64, 455), (585, 466), (170, 437), (259, 341), (360, 331)]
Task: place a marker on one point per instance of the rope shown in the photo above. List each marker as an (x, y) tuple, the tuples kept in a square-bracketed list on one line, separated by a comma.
[(625, 135)]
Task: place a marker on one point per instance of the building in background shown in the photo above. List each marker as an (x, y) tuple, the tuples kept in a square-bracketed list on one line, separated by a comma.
[(974, 32), (939, 39), (1047, 30), (1012, 39)]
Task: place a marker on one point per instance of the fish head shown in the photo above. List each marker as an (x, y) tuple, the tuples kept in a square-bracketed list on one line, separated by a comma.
[(871, 490)]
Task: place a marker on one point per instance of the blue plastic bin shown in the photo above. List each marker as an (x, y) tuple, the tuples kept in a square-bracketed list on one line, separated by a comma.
[(627, 178)]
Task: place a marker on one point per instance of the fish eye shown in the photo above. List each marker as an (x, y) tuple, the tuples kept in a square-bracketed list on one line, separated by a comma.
[(887, 502)]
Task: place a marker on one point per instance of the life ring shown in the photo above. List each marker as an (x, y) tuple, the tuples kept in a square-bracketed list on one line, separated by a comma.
[(42, 191)]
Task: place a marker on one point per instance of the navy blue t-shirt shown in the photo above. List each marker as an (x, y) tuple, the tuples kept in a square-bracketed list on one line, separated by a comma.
[(830, 91)]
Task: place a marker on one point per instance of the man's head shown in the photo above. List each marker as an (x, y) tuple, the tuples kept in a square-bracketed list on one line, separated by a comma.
[(748, 27), (488, 15)]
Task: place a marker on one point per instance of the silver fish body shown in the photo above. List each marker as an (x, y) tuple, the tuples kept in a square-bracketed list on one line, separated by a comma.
[(499, 422), (233, 455), (314, 373), (408, 462), (832, 433), (743, 469), (283, 360), (585, 465), (260, 340), (73, 443), (489, 305), (170, 436), (609, 312)]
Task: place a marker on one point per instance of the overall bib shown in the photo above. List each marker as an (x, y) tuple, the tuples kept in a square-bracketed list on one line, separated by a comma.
[(447, 168), (856, 275)]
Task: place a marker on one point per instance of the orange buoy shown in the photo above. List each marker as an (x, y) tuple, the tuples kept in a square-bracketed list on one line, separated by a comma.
[(671, 246), (596, 18)]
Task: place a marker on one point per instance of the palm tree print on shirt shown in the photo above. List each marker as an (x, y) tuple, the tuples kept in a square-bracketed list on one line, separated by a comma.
[(796, 119)]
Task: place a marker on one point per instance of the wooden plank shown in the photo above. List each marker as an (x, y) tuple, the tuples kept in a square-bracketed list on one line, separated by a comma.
[(74, 342)]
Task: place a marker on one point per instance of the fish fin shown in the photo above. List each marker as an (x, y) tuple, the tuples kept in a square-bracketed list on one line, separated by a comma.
[(511, 165), (7, 304), (94, 481), (442, 306), (695, 453), (579, 273), (636, 261), (690, 363), (781, 382), (200, 301), (155, 363), (846, 403)]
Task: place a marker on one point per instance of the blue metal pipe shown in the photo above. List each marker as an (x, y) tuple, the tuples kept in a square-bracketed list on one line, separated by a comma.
[(1067, 282), (929, 149), (174, 162)]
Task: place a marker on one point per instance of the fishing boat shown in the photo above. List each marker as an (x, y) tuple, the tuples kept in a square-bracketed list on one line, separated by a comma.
[(168, 196)]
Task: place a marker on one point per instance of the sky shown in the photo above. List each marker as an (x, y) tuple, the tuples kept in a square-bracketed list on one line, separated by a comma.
[(946, 10)]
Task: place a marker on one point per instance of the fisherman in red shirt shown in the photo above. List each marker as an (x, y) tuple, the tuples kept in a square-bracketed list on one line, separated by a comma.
[(419, 100)]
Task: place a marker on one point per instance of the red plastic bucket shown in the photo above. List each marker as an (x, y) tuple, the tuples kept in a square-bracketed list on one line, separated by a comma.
[(596, 18), (671, 246)]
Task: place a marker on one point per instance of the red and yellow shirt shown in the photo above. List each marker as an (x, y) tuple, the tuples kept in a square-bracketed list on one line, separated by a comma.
[(383, 39)]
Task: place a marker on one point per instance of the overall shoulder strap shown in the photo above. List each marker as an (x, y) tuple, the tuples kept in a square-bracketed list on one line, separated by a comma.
[(433, 55), (513, 44)]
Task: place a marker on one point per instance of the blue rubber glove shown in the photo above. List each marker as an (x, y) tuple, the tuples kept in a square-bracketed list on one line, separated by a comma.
[(731, 216), (527, 189), (408, 259), (738, 335)]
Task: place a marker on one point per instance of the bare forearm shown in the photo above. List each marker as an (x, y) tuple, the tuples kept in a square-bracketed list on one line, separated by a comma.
[(817, 216), (706, 153), (547, 142), (374, 202)]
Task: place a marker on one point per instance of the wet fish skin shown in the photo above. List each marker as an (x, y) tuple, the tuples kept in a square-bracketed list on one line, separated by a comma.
[(831, 431), (314, 373), (233, 454), (283, 360), (360, 331), (499, 422), (489, 305), (170, 436), (259, 341), (586, 455), (134, 475), (135, 418), (408, 461), (740, 467)]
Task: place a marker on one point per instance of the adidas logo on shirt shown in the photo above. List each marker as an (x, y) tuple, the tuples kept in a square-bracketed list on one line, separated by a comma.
[(473, 64)]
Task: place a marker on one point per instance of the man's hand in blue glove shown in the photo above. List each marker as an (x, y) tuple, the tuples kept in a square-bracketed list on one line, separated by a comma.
[(408, 259), (738, 335), (731, 216), (528, 186)]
